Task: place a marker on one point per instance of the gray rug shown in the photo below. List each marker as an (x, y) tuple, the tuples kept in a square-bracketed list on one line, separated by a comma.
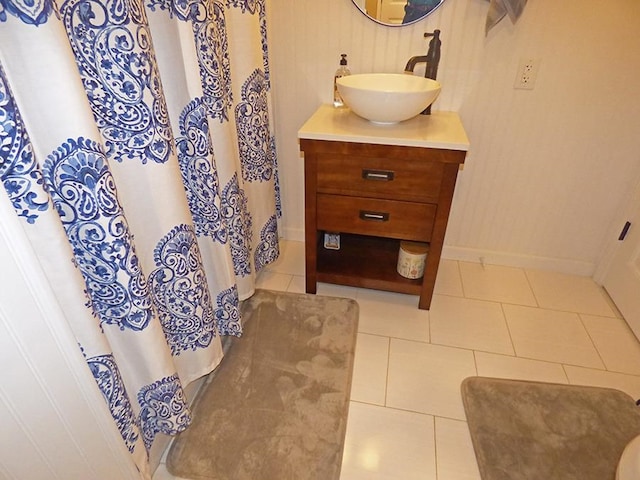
[(276, 408), (543, 431)]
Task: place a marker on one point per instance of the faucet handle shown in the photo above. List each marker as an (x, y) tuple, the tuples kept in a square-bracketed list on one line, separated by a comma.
[(435, 33)]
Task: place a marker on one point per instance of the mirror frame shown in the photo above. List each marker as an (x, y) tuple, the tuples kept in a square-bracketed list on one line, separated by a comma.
[(396, 24)]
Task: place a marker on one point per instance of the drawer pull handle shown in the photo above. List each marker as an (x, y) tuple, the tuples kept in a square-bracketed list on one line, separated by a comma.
[(380, 175), (374, 216)]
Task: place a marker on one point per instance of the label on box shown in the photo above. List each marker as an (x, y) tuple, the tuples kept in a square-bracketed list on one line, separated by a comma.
[(332, 241)]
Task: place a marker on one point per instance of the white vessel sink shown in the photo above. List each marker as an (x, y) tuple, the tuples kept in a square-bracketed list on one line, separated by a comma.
[(629, 464), (387, 97)]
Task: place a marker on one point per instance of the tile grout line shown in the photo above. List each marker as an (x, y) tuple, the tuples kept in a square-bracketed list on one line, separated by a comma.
[(386, 379), (464, 294), (475, 364), (407, 410), (593, 342), (506, 322), (533, 292), (435, 446)]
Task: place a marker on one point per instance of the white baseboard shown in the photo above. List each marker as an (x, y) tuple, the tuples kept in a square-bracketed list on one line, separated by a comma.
[(293, 234), (561, 265), (490, 257)]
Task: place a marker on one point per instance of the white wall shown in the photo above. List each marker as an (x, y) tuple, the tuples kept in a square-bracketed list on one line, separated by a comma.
[(54, 422), (548, 169)]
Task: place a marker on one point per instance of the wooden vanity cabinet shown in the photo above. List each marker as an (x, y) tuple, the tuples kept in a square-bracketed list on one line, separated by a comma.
[(375, 196)]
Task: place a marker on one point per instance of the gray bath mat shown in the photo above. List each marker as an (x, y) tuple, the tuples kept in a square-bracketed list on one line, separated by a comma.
[(543, 431), (276, 408)]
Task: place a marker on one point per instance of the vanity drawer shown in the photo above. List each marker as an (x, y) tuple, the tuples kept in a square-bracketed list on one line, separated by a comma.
[(370, 216), (410, 180)]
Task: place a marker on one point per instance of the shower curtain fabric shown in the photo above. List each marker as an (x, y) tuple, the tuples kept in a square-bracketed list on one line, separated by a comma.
[(136, 149)]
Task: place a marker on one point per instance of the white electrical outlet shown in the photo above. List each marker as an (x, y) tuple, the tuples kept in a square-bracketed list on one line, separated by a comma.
[(527, 73)]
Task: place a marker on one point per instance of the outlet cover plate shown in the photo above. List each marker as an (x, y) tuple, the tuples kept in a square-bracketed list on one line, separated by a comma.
[(527, 73)]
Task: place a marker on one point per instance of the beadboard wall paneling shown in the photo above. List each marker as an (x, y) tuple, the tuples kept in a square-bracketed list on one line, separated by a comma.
[(55, 422), (548, 168)]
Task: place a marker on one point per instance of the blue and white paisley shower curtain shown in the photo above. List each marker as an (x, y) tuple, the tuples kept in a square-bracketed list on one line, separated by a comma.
[(136, 147)]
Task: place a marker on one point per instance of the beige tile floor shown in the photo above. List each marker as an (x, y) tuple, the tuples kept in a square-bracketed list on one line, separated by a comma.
[(406, 419)]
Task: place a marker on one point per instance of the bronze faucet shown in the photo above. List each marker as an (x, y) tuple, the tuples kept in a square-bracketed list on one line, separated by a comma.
[(432, 59)]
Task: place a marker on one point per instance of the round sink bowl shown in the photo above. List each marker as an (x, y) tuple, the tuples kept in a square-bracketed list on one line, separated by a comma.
[(629, 464), (387, 97)]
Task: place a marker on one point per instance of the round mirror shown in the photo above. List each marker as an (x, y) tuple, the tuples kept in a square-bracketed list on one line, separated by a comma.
[(395, 13)]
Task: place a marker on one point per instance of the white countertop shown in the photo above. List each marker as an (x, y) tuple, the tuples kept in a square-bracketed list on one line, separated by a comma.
[(438, 130)]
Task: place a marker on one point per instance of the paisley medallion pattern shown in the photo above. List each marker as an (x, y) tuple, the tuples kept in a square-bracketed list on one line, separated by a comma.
[(117, 67), (19, 171), (276, 179), (212, 46), (31, 12), (164, 409), (254, 139), (112, 45), (184, 10), (84, 194), (107, 376), (195, 155), (210, 32), (265, 46), (180, 292), (268, 249), (238, 219), (228, 312), (244, 5)]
